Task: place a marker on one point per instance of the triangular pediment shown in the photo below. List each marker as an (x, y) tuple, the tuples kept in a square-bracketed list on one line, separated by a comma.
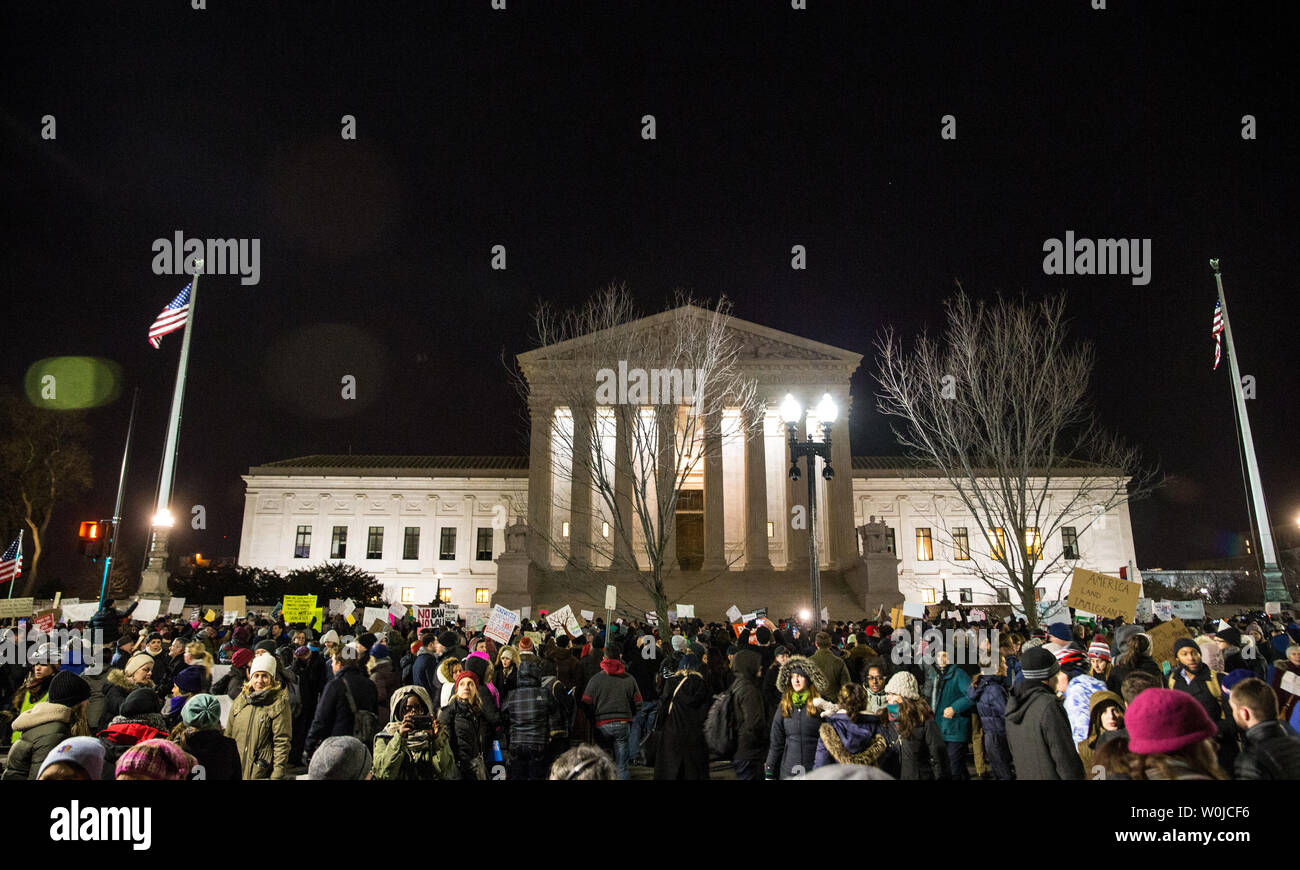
[(759, 345)]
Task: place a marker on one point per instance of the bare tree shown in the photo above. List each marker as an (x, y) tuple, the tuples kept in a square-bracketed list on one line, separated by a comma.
[(43, 461), (998, 409), (644, 404)]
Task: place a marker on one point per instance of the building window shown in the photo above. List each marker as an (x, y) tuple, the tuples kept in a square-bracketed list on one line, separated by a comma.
[(966, 596), (1039, 592), (408, 594), (302, 543), (927, 596), (771, 529), (1033, 543), (960, 544), (375, 543), (924, 547), (339, 543), (1070, 542), (893, 543), (447, 547), (999, 546), (604, 529), (564, 531), (1004, 595), (482, 596), (411, 542), (484, 546), (444, 595)]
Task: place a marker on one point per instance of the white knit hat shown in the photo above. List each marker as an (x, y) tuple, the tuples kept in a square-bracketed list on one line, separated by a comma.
[(264, 662), (330, 636), (903, 684)]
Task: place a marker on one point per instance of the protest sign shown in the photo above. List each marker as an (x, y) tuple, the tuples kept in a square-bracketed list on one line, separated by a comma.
[(423, 616), (147, 609), (175, 606), (317, 618), (535, 637), (652, 618), (298, 608), (373, 614), (336, 605), (525, 612), (672, 614), (733, 614), (44, 621), (611, 597), (210, 616), (1145, 609), (1273, 608), (913, 610), (58, 596), (501, 624), (564, 619), (1163, 637), (219, 671), (476, 617), (397, 610), (348, 606), (896, 617), (1290, 682), (686, 611), (826, 614), (977, 616), (16, 608), (1056, 611), (236, 604), (1163, 609), (1101, 594), (1194, 609), (749, 617), (587, 615), (79, 612), (229, 616)]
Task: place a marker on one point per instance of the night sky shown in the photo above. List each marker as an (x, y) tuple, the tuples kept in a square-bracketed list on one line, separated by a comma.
[(523, 128)]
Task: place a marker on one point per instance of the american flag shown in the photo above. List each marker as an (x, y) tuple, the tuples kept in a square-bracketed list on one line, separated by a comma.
[(172, 318), (11, 564), (1217, 331)]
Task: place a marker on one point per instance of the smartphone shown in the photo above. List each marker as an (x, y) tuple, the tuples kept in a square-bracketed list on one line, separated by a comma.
[(422, 723)]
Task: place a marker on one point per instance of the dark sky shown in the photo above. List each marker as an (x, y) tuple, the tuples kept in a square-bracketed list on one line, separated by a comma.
[(522, 128)]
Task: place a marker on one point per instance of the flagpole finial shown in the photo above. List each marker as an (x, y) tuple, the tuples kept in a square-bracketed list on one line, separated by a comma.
[(1214, 266)]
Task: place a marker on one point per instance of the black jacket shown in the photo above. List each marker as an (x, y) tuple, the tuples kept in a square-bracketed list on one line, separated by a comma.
[(525, 718), (466, 734), (216, 753), (1268, 752), (748, 711), (683, 754), (792, 744), (923, 755), (1119, 672), (1039, 735), (333, 714)]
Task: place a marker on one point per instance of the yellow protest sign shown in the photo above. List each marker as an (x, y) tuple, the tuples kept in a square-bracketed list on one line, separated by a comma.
[(210, 616), (298, 608), (1103, 595), (319, 616), (1163, 637), (896, 617), (352, 620)]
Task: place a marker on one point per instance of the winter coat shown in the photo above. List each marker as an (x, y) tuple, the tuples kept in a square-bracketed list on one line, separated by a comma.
[(566, 666), (923, 755), (792, 744), (612, 694), (1078, 700), (1268, 752), (753, 725), (1089, 745), (1038, 733), (123, 733), (231, 684), (1204, 687), (645, 670), (771, 694), (333, 714), (395, 756), (446, 681), (527, 712), (117, 685), (834, 670), (216, 754), (504, 682), (44, 727), (858, 660), (465, 730), (683, 753), (843, 740), (260, 724), (424, 672), (990, 697), (386, 682), (948, 689)]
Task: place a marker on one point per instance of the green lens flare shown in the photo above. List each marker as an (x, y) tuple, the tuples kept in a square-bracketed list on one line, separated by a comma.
[(73, 383)]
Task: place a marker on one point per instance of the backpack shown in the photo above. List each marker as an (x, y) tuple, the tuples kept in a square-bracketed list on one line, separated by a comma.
[(720, 727), (564, 699), (365, 724)]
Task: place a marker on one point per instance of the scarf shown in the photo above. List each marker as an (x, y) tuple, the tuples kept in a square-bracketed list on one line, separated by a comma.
[(799, 700), (262, 697)]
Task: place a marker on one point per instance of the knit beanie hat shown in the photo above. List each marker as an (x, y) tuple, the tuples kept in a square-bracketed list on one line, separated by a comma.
[(264, 663), (1183, 642), (1099, 649), (525, 644), (1123, 633), (84, 752), (68, 689), (679, 642), (378, 651), (190, 680), (1039, 664), (1232, 678), (449, 639), (140, 703), (345, 758), (265, 646), (1231, 636), (903, 684), (1059, 631), (330, 636), (242, 658), (1165, 720), (367, 640), (154, 759), (136, 662), (202, 711), (467, 674)]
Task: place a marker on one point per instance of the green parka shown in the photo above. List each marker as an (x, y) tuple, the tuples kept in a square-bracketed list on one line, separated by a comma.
[(261, 725)]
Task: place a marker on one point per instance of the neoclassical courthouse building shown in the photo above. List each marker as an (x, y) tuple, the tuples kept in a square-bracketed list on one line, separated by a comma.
[(457, 527)]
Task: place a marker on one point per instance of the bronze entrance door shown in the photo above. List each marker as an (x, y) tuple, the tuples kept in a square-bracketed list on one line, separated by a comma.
[(690, 529)]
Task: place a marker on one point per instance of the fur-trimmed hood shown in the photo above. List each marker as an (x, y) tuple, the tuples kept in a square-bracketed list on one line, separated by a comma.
[(444, 669), (808, 667), (42, 714), (117, 677)]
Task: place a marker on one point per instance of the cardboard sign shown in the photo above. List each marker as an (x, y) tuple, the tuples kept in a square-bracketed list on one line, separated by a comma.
[(16, 608), (1273, 608), (236, 604), (1194, 609), (587, 615), (175, 606), (913, 610), (1145, 609), (1103, 595), (298, 608), (733, 614), (147, 609), (501, 625), (896, 617), (43, 621), (1163, 637), (611, 597)]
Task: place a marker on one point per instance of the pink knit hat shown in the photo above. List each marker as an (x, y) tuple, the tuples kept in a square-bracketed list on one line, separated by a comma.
[(155, 759), (1165, 720)]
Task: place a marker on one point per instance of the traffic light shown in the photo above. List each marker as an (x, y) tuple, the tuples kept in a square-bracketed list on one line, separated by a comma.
[(88, 540)]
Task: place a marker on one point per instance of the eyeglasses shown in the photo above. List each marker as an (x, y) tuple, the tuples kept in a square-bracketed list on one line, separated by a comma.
[(875, 679)]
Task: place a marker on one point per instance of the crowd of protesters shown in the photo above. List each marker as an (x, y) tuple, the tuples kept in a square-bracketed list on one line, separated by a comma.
[(763, 701)]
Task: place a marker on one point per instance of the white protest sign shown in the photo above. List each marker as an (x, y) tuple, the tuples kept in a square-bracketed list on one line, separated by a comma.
[(686, 611), (348, 607), (501, 624), (1164, 610), (733, 614), (398, 610), (913, 609), (564, 619), (526, 612), (79, 612), (176, 605), (1290, 682), (587, 615), (219, 671), (1145, 609), (1194, 609), (225, 702), (1273, 608), (229, 616), (652, 618), (335, 606), (977, 615), (672, 614), (611, 597), (374, 614), (147, 609), (1056, 611), (748, 617)]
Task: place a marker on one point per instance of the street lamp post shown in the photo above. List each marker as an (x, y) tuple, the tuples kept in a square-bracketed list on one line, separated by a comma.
[(826, 414)]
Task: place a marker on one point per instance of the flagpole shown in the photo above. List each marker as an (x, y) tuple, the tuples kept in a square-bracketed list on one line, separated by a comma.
[(1274, 589), (13, 581), (162, 519), (117, 507)]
